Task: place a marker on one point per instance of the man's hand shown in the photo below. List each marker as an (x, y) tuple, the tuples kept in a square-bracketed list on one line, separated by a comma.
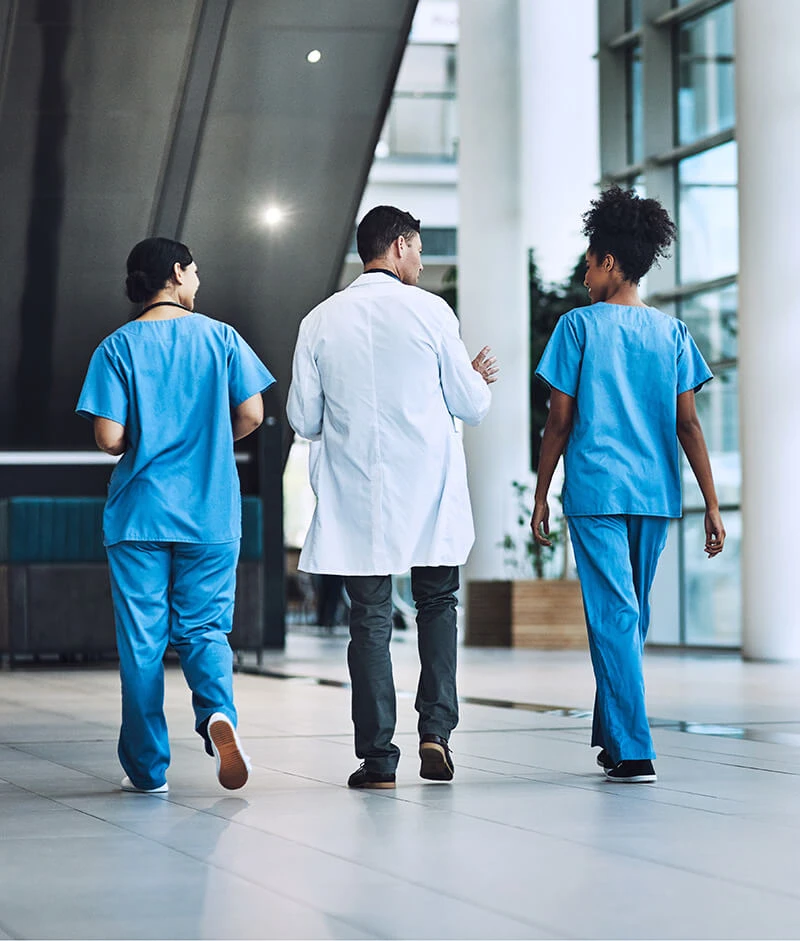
[(715, 533), (486, 365), (540, 523)]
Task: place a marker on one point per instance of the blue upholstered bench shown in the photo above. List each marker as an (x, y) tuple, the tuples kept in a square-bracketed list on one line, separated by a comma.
[(54, 591)]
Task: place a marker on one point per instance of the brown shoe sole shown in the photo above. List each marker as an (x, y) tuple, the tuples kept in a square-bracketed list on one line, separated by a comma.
[(374, 786), (233, 771), (435, 766)]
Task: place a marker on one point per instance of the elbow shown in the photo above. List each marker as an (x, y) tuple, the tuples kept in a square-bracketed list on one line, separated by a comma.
[(475, 417), (687, 429), (559, 428), (113, 449), (109, 445)]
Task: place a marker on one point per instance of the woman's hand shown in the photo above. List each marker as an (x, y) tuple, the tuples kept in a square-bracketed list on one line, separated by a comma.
[(715, 533), (540, 523)]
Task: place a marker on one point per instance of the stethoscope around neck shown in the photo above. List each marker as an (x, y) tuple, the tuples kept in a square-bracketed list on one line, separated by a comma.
[(164, 304)]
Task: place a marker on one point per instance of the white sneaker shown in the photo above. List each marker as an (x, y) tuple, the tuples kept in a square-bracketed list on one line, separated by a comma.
[(233, 765), (127, 785)]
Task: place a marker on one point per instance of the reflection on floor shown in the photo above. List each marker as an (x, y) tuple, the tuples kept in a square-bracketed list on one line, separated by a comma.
[(528, 842)]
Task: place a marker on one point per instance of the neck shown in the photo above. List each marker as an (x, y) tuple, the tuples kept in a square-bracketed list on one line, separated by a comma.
[(382, 264), (165, 297), (626, 294)]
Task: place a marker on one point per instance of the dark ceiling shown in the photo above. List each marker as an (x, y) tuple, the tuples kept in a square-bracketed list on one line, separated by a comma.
[(187, 118)]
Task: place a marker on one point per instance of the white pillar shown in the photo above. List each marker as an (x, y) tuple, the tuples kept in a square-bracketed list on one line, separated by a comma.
[(492, 292), (559, 129), (768, 132), (527, 170)]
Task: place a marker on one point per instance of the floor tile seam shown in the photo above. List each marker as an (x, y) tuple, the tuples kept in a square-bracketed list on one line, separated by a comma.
[(611, 789), (541, 833), (400, 881), (563, 735), (117, 825), (496, 703), (690, 753), (633, 856)]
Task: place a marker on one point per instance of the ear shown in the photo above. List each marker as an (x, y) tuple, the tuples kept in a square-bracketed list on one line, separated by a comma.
[(608, 263), (177, 273), (400, 244)]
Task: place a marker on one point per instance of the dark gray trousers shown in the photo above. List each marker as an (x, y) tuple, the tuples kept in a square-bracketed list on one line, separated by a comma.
[(374, 705)]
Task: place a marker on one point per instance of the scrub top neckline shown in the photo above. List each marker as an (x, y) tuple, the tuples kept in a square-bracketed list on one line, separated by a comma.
[(166, 319), (629, 306)]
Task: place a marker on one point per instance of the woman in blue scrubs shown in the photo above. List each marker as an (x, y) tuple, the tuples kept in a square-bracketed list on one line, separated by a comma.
[(170, 392), (623, 378)]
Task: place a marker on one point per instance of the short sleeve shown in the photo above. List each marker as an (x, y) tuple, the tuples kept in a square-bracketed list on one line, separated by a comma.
[(560, 365), (693, 371), (105, 388), (247, 375)]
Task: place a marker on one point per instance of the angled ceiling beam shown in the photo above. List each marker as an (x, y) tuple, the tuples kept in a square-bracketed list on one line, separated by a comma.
[(176, 181)]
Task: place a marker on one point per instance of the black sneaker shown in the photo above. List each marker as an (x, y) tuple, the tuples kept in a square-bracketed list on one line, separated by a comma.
[(604, 760), (632, 772), (364, 778), (436, 760)]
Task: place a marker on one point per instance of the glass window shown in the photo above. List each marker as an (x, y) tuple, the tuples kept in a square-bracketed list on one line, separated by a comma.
[(717, 408), (422, 120), (712, 321), (708, 215), (705, 75), (633, 14), (635, 105), (712, 591)]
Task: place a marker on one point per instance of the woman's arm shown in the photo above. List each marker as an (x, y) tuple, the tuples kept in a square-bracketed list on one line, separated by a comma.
[(554, 440), (246, 417), (690, 435), (110, 436)]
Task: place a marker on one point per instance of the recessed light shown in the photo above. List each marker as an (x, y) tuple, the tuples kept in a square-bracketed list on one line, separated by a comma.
[(273, 215), (314, 56)]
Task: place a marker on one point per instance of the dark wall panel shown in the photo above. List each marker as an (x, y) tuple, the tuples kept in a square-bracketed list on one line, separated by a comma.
[(90, 109)]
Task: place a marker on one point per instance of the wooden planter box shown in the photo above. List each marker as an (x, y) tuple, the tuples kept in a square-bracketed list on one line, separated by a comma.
[(543, 614)]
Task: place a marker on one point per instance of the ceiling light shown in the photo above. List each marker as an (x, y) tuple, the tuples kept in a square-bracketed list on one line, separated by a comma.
[(273, 215), (314, 56)]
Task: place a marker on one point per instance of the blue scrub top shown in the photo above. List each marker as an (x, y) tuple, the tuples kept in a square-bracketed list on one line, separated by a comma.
[(172, 384), (625, 368)]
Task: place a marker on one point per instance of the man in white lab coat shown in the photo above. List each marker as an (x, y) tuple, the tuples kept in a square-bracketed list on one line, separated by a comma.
[(380, 376)]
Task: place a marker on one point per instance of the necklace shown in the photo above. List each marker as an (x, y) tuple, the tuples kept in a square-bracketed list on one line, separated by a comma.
[(164, 304)]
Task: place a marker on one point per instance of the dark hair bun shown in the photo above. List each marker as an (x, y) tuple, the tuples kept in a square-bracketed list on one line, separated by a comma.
[(139, 287), (150, 266), (636, 230)]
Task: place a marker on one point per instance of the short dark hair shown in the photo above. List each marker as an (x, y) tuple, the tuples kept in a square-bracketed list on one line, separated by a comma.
[(380, 227), (635, 230), (151, 264)]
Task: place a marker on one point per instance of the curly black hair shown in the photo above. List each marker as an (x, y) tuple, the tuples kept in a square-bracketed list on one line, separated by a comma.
[(635, 230)]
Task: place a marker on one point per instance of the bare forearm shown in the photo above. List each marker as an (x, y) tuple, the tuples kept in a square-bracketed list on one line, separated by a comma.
[(694, 446), (554, 441)]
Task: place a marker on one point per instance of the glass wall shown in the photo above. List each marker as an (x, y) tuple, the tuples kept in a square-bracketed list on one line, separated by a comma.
[(705, 102), (421, 123), (707, 215), (672, 67)]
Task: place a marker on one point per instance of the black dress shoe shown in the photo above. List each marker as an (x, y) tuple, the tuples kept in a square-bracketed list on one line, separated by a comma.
[(436, 760), (364, 778), (632, 772), (604, 759)]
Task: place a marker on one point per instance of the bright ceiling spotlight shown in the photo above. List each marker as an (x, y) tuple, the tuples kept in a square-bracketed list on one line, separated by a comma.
[(273, 215), (314, 56)]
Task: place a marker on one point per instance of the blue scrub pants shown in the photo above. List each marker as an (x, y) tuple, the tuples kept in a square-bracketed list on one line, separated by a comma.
[(170, 593), (616, 557)]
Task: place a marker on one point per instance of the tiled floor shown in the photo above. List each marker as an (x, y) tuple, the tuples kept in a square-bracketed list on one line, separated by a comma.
[(528, 842)]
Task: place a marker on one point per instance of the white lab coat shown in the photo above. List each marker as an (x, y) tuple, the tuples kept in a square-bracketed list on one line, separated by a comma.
[(379, 375)]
